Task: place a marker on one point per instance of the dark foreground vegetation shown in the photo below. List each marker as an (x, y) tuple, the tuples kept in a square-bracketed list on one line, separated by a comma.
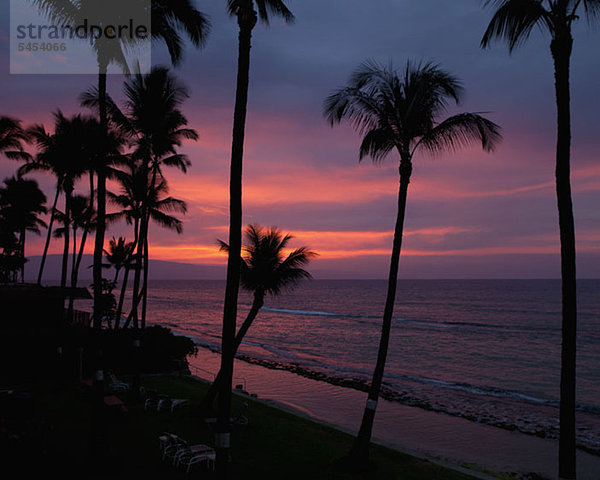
[(47, 430)]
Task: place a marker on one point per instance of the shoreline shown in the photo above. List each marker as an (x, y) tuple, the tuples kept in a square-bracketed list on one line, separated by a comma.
[(438, 437), (389, 395), (302, 413)]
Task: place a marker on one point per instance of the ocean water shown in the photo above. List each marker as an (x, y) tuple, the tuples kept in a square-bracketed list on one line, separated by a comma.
[(485, 350)]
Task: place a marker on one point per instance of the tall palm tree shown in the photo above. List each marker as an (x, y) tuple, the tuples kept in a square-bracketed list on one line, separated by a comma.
[(22, 202), (401, 111), (12, 138), (246, 13), (82, 218), (513, 22), (152, 117), (137, 198), (133, 192), (62, 153), (169, 18), (79, 219), (265, 270)]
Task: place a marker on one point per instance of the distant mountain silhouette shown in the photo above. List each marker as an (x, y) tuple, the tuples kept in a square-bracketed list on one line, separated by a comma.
[(159, 270)]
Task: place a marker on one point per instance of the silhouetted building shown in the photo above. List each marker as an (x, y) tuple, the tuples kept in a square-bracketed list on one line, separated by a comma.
[(34, 307)]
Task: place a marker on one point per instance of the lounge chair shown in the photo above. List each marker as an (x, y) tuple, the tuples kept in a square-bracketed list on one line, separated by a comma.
[(116, 385), (171, 446), (176, 450), (178, 403), (187, 458)]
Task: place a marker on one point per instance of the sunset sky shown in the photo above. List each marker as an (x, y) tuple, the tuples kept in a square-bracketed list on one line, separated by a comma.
[(469, 214)]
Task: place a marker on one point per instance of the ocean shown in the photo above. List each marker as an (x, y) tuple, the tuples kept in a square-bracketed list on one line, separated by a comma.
[(484, 350)]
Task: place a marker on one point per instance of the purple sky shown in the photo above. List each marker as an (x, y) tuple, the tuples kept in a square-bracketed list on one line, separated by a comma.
[(469, 214)]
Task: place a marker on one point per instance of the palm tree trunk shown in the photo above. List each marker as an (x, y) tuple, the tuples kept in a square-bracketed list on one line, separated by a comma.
[(73, 275), (74, 253), (67, 240), (246, 21), (360, 449), (143, 231), (561, 52), (101, 203), (126, 277), (22, 248), (145, 286), (88, 226), (257, 304), (48, 234), (121, 297)]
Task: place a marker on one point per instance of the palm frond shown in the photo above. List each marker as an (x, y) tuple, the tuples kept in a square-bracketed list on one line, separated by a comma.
[(460, 131), (171, 16), (514, 20), (265, 8), (376, 144)]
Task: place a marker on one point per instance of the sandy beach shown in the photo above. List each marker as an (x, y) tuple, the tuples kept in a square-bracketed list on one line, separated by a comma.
[(435, 436)]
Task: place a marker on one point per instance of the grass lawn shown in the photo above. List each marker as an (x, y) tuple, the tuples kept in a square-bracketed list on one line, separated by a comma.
[(51, 434)]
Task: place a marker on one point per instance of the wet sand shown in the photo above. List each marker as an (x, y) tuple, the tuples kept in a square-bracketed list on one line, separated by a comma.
[(440, 437)]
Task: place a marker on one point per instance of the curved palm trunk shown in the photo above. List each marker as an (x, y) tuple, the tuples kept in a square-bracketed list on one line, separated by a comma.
[(143, 232), (257, 304), (359, 453), (48, 235), (101, 204), (246, 21), (86, 229), (126, 277), (561, 52)]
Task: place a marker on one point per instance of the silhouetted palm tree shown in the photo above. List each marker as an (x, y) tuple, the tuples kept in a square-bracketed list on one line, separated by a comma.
[(119, 256), (246, 13), (513, 21), (138, 197), (152, 117), (401, 111), (133, 193), (12, 138), (63, 153), (82, 218), (21, 203), (265, 270), (169, 17)]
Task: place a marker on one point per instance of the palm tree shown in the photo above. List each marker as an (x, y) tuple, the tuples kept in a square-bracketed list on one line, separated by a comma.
[(62, 153), (169, 17), (247, 16), (133, 192), (265, 270), (118, 255), (402, 112), (152, 116), (21, 202), (137, 198), (12, 138), (81, 218), (513, 22)]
